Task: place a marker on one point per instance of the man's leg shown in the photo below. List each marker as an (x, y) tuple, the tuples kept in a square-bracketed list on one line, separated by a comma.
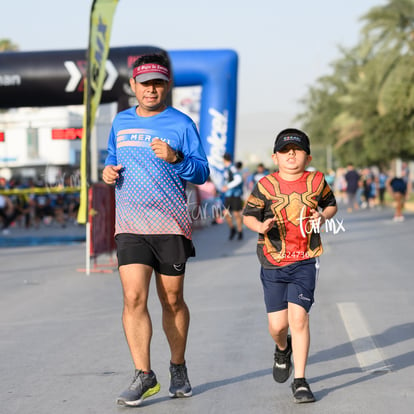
[(176, 320), (175, 315), (135, 280)]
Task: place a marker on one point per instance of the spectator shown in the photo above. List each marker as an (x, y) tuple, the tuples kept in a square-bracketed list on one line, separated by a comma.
[(397, 187), (7, 213), (382, 187), (352, 179), (233, 202), (209, 201)]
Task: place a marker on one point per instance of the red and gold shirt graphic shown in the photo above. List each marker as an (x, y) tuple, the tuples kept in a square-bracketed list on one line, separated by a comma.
[(292, 237)]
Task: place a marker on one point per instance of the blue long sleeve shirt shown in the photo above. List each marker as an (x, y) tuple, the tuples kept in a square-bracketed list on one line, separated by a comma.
[(150, 192)]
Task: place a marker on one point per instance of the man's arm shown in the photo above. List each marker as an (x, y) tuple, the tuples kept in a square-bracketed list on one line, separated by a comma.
[(194, 166), (111, 173)]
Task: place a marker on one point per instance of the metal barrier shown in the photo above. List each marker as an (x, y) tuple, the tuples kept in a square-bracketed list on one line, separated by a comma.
[(102, 219), (100, 229)]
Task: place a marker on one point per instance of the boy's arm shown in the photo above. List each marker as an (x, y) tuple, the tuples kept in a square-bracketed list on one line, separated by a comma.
[(329, 212), (257, 226), (326, 214)]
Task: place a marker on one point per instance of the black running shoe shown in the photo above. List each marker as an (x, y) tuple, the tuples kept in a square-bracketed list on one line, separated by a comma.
[(301, 391), (282, 367), (179, 382), (142, 386)]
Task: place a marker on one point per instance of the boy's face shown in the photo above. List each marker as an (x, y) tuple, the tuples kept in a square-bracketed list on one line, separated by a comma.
[(291, 159)]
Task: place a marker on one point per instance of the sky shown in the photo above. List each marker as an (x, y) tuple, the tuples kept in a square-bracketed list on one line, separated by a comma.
[(282, 46)]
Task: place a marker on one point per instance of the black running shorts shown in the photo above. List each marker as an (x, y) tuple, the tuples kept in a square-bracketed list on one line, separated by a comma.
[(166, 254), (233, 203)]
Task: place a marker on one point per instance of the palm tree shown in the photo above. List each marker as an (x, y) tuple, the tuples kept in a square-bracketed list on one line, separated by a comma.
[(367, 104), (389, 43)]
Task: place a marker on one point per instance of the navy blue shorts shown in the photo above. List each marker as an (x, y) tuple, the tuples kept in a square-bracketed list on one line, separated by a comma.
[(294, 283), (166, 254)]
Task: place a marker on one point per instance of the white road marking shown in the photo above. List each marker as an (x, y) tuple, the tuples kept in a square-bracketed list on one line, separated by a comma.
[(368, 355)]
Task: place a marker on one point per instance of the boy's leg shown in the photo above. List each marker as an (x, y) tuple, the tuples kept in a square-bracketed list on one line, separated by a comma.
[(275, 295), (299, 328), (278, 327)]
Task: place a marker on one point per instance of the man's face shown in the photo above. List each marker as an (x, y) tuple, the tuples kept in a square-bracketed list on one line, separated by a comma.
[(151, 95)]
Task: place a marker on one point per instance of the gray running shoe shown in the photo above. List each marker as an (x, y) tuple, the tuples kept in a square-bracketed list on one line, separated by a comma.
[(301, 391), (282, 366), (179, 383), (142, 386)]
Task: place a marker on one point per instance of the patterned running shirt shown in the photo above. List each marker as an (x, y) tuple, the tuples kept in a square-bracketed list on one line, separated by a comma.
[(150, 192), (291, 239)]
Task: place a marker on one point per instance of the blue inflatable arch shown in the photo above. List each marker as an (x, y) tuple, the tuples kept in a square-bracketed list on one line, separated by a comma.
[(216, 72)]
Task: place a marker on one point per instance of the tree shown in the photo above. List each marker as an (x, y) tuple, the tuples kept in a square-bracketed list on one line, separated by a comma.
[(367, 104), (328, 118), (7, 45)]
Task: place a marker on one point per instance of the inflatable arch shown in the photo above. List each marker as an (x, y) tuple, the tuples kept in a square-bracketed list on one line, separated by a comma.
[(216, 71), (55, 78)]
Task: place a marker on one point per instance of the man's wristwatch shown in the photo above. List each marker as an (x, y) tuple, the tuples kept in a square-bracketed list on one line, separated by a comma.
[(179, 157)]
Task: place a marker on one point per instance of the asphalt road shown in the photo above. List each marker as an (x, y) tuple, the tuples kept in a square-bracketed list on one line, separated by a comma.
[(62, 348)]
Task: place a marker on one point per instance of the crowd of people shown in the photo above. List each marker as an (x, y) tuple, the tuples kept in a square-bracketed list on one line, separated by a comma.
[(225, 204), (32, 204), (367, 188), (355, 189)]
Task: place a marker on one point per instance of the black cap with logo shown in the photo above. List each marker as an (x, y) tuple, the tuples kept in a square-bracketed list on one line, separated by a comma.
[(292, 136)]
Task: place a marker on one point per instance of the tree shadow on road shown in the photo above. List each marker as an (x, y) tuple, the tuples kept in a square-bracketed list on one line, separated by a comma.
[(400, 361), (391, 336), (200, 389)]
